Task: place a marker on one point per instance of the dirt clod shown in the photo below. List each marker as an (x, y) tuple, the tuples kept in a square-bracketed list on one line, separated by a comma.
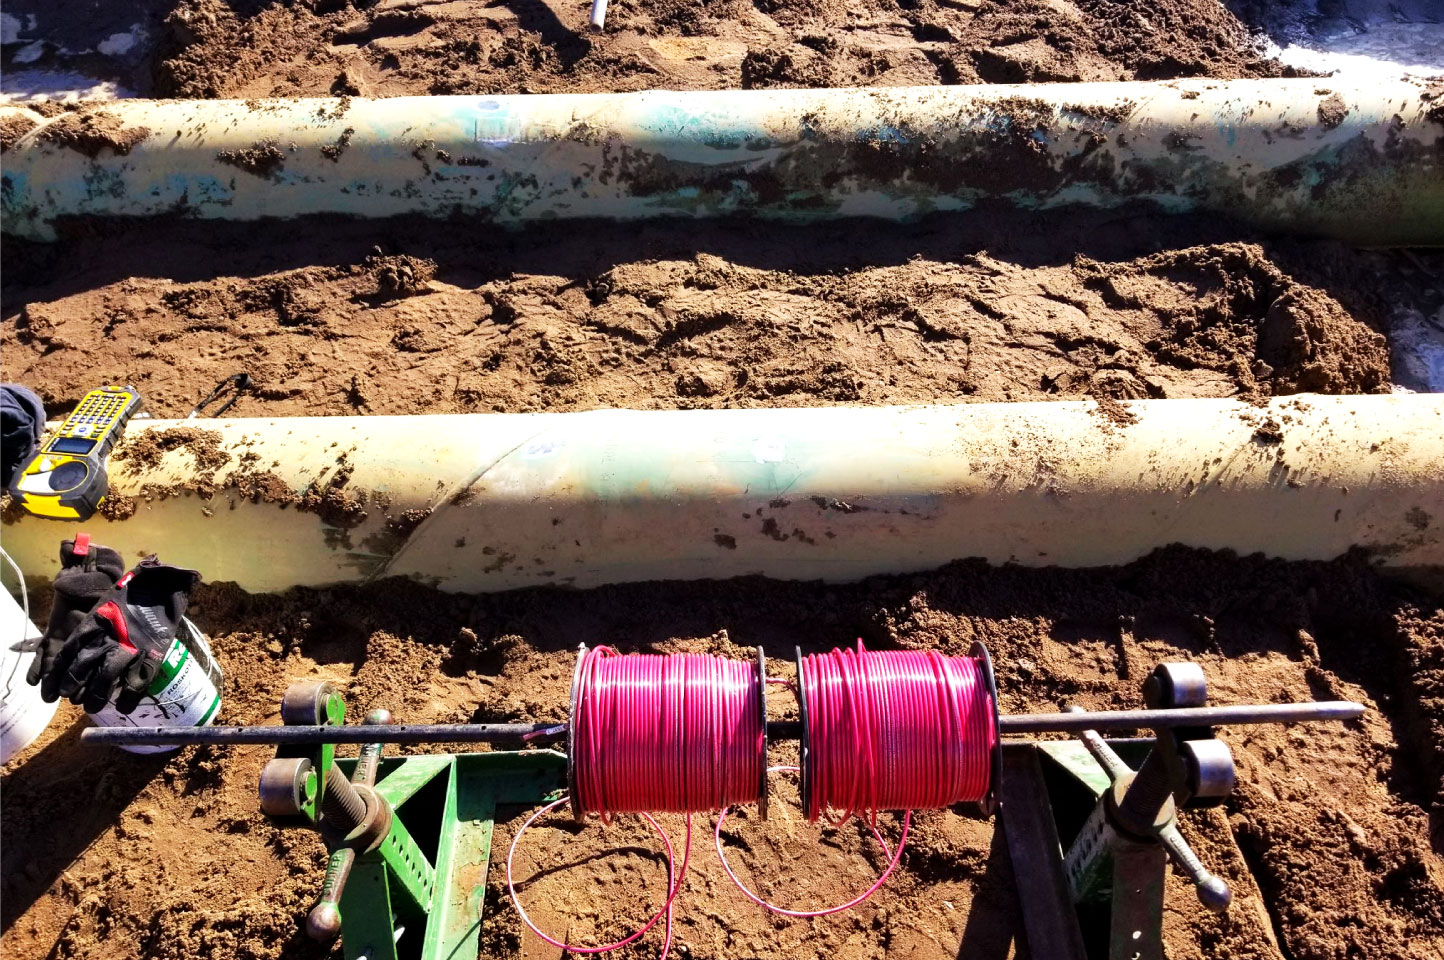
[(146, 449), (12, 128), (262, 158), (1332, 111), (400, 276), (92, 131)]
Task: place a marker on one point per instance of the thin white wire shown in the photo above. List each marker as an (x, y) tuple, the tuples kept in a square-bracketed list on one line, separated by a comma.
[(24, 614)]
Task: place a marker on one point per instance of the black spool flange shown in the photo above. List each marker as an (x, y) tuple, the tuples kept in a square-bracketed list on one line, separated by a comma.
[(804, 736), (577, 811), (762, 719), (989, 803)]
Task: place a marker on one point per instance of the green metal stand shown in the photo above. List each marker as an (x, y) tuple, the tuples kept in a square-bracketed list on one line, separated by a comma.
[(1091, 826), (1090, 823), (410, 837)]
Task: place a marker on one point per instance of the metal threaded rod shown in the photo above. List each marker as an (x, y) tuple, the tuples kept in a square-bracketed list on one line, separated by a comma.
[(341, 804), (371, 752), (539, 733)]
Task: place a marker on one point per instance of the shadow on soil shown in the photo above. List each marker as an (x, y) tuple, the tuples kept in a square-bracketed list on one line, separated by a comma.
[(471, 251), (54, 809)]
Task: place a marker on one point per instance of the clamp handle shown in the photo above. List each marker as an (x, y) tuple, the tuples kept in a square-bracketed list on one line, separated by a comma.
[(1211, 889), (323, 923)]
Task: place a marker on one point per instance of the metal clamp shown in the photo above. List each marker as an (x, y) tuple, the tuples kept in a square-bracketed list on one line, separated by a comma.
[(306, 782), (1134, 824), (323, 923)]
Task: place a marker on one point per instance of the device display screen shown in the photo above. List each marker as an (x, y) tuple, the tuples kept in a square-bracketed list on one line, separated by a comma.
[(73, 445)]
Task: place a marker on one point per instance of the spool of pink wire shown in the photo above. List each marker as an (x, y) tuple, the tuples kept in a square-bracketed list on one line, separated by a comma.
[(895, 730), (681, 733), (685, 733), (890, 730)]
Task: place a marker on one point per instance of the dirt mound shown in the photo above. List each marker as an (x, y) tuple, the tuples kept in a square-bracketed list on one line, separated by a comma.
[(782, 318), (1230, 309), (1333, 821), (211, 48)]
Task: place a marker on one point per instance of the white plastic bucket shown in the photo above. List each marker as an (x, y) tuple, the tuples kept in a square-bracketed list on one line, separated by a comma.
[(23, 715), (186, 692)]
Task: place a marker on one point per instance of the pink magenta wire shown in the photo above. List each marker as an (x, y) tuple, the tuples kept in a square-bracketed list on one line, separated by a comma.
[(679, 733), (889, 730), (674, 885), (895, 854), (895, 730)]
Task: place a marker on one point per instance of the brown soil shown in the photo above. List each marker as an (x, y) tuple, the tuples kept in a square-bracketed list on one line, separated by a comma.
[(215, 48), (147, 449), (91, 131), (327, 496), (12, 128), (1332, 111), (260, 159), (1334, 842), (696, 317), (1329, 843)]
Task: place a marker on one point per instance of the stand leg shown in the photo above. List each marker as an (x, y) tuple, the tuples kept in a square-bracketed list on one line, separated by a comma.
[(1138, 873), (1048, 915)]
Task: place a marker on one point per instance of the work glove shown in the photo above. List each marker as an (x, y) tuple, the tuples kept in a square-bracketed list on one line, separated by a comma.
[(118, 648), (87, 573)]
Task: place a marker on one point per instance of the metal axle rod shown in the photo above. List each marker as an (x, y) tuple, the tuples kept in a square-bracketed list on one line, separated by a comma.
[(778, 730), (1239, 715)]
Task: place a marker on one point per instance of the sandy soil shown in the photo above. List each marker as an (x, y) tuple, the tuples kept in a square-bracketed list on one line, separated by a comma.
[(254, 48), (430, 321), (1330, 842), (1334, 842)]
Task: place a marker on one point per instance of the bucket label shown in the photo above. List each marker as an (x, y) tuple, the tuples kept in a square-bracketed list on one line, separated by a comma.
[(181, 695)]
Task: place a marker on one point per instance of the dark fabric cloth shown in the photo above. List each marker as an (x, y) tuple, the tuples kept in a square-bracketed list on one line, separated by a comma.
[(22, 421)]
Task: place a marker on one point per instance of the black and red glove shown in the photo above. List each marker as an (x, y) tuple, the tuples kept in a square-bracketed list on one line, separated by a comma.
[(118, 648), (87, 572)]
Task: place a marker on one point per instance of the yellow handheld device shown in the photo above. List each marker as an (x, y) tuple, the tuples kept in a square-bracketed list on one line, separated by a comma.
[(66, 479)]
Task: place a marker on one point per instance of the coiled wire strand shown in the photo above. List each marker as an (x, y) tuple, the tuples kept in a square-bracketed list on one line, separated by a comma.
[(888, 730), (680, 733)]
